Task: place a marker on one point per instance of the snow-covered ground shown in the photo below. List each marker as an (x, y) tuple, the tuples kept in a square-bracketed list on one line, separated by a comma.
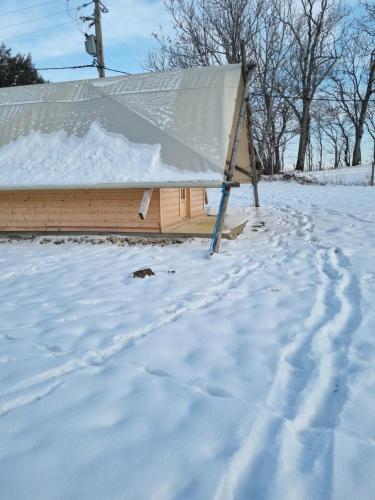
[(347, 176), (247, 375)]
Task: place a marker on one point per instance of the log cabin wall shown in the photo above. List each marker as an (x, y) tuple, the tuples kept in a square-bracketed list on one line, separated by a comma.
[(197, 202), (170, 206), (90, 210), (78, 210)]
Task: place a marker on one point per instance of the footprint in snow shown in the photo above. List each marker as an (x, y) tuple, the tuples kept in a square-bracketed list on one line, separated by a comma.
[(216, 392), (53, 348), (157, 373), (9, 337)]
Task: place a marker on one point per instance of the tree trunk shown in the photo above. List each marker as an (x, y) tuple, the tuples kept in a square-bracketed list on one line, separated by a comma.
[(310, 155), (336, 156), (304, 136), (357, 146), (347, 152), (320, 153), (277, 160), (268, 165), (283, 157)]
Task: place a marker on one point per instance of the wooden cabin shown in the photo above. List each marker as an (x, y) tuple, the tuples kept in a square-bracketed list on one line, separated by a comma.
[(186, 118), (98, 210)]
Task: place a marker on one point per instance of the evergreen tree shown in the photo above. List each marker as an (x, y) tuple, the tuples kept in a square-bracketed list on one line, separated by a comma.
[(17, 69)]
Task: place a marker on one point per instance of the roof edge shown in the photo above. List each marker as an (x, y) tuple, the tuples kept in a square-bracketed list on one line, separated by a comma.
[(133, 185)]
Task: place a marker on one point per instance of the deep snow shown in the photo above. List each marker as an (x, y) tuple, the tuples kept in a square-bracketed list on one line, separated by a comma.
[(247, 375)]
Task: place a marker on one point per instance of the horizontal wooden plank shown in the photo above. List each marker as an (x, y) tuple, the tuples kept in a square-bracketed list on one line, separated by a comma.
[(58, 210)]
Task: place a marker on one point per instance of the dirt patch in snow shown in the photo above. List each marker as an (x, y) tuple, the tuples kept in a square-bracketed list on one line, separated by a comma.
[(117, 240), (299, 177)]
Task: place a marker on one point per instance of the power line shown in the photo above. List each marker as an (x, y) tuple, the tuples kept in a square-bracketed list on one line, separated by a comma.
[(116, 71), (83, 66), (42, 17), (37, 31), (68, 67), (28, 8), (32, 20)]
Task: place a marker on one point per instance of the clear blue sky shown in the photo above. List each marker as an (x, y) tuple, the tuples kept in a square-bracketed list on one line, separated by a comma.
[(127, 30)]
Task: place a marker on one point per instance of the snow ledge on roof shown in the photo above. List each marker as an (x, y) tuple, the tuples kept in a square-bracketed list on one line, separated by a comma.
[(98, 159)]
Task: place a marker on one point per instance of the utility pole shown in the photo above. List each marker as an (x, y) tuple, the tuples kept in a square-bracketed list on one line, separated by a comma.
[(94, 44), (99, 38)]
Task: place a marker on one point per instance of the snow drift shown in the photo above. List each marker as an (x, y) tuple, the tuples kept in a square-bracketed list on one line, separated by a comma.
[(99, 157)]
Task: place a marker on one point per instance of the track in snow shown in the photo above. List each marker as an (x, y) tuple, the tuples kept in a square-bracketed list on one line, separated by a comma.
[(293, 434)]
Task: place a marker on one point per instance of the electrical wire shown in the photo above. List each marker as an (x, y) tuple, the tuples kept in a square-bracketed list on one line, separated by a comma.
[(49, 27), (43, 17), (83, 66), (37, 31), (32, 20), (78, 19), (28, 8), (68, 67), (116, 70), (68, 9)]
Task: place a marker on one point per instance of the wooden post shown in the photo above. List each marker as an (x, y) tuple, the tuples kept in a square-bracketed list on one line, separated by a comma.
[(216, 237), (372, 173), (245, 70)]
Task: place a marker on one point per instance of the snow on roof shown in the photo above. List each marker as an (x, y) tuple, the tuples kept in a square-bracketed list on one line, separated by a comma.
[(165, 129)]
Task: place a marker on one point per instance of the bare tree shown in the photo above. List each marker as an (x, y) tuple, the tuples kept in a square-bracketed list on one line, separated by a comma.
[(314, 26), (368, 22), (328, 120), (205, 32), (274, 116), (353, 82), (334, 140)]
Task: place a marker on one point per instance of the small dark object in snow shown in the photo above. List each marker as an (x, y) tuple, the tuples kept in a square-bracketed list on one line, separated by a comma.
[(142, 273), (258, 225), (171, 272)]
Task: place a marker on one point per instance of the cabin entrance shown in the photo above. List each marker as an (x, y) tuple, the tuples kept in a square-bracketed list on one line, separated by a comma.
[(183, 203)]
